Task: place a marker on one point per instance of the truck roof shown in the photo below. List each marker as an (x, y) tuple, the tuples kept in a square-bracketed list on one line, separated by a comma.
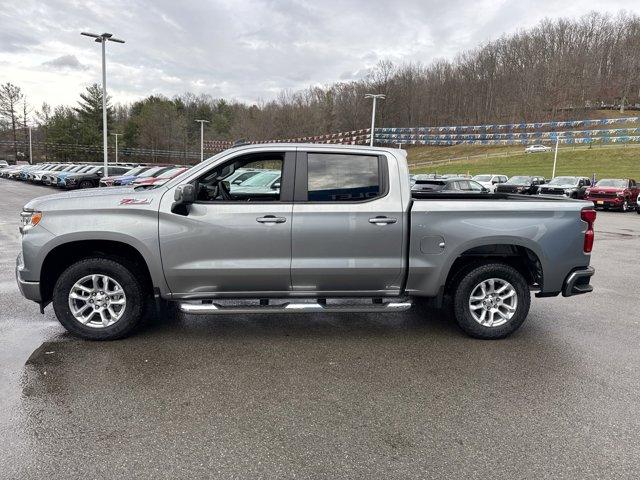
[(331, 146)]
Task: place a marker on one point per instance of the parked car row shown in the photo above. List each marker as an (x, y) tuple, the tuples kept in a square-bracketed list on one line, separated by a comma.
[(608, 193), (88, 175)]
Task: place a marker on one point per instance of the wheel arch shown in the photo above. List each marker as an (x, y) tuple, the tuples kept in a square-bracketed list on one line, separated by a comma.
[(521, 257), (65, 254)]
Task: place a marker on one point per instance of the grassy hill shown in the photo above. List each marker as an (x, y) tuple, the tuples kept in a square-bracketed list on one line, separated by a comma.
[(613, 162)]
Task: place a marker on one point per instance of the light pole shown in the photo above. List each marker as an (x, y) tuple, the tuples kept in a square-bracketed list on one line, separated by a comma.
[(555, 157), (116, 135), (202, 122), (30, 149), (103, 38), (375, 97)]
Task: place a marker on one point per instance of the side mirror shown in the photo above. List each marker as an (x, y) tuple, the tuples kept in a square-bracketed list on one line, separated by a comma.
[(484, 190), (184, 196), (494, 181), (275, 186)]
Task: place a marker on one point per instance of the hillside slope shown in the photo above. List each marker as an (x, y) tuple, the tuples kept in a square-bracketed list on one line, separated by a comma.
[(604, 162)]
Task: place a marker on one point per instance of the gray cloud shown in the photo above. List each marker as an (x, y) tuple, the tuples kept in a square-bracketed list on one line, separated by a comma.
[(66, 62), (249, 50)]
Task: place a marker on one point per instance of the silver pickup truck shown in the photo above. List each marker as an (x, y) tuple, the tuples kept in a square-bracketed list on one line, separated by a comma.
[(338, 230)]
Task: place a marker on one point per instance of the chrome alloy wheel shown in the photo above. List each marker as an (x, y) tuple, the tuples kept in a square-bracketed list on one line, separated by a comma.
[(97, 301), (493, 302)]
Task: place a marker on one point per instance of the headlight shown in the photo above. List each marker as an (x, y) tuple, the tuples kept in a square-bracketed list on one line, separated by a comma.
[(29, 219), (567, 191), (620, 194)]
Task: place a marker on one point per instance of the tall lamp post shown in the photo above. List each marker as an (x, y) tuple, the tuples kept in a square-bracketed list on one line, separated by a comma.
[(375, 97), (103, 39), (30, 148), (116, 135), (555, 156), (202, 122)]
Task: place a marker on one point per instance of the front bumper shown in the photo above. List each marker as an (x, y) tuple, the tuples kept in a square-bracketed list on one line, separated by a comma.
[(577, 282), (615, 202), (29, 290)]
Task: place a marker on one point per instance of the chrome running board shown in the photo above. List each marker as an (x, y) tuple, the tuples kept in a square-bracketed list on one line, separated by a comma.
[(217, 309)]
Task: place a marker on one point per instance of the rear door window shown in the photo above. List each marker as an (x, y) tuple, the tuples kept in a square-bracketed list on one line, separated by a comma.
[(334, 177)]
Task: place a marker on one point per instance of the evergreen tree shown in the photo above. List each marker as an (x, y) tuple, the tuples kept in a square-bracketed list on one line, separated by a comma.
[(89, 112)]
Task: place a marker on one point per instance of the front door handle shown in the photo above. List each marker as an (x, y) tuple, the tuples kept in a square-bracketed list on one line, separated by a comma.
[(271, 219), (382, 220)]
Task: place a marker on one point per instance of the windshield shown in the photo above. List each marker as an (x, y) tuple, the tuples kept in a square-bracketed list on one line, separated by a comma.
[(482, 178), (261, 180), (91, 170), (430, 185), (612, 182), (564, 181), (152, 172), (519, 180), (170, 173), (135, 171)]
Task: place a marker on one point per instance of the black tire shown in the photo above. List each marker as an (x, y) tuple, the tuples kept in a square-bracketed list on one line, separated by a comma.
[(120, 272), (468, 283), (86, 184), (625, 206)]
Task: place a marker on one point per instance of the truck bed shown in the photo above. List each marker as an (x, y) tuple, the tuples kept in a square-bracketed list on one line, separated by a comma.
[(444, 227)]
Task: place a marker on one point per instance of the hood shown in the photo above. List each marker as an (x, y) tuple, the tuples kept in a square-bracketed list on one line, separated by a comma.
[(88, 199), (514, 185), (607, 189), (569, 185), (79, 175)]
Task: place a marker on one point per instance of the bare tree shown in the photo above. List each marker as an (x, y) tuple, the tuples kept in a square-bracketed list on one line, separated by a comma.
[(10, 96)]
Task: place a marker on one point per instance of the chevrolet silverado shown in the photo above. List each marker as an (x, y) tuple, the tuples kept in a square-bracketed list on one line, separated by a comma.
[(340, 231)]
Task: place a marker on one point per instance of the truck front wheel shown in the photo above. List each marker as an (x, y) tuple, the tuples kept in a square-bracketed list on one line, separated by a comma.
[(98, 299), (491, 301)]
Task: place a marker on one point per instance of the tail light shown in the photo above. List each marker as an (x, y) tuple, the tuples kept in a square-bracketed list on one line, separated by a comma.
[(588, 216)]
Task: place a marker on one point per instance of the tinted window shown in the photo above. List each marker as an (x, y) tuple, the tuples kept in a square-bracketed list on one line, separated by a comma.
[(262, 186), (482, 178), (473, 186), (337, 177)]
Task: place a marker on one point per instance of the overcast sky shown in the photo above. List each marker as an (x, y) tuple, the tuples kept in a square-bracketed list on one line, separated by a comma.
[(245, 50)]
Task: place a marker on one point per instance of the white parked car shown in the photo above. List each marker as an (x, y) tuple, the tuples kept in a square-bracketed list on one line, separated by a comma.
[(537, 148), (490, 181)]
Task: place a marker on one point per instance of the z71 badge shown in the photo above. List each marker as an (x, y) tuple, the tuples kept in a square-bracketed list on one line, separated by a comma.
[(135, 201)]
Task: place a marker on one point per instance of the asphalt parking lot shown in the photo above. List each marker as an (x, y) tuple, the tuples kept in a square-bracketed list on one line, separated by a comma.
[(335, 396)]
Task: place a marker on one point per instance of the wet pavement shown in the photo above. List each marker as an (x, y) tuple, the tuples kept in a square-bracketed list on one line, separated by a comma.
[(333, 396)]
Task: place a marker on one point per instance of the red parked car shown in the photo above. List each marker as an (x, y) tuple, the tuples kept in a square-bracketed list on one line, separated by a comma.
[(161, 179), (618, 193)]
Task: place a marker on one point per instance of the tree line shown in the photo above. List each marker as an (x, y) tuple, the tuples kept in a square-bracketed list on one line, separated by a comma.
[(556, 70)]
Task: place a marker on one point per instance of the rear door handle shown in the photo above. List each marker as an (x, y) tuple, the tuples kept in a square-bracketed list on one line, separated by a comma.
[(382, 220), (271, 219)]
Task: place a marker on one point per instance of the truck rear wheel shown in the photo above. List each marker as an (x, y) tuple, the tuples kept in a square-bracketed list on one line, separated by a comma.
[(491, 301), (98, 299)]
